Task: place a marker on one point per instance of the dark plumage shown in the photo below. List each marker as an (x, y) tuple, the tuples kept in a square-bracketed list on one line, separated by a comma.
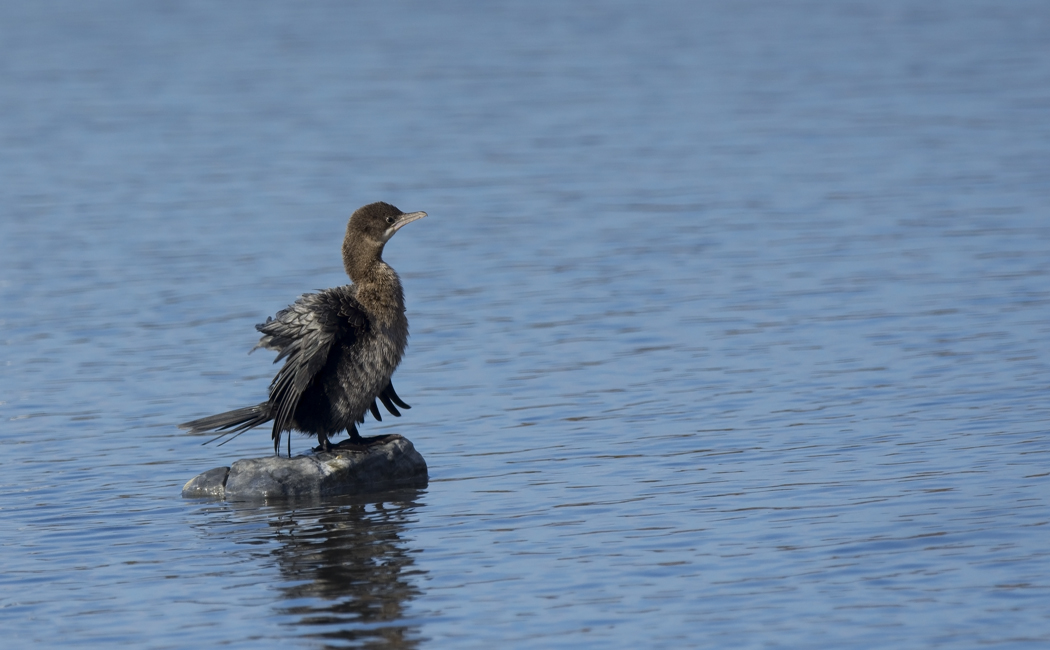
[(340, 346)]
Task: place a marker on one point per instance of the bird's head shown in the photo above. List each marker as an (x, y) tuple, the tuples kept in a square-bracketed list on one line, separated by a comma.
[(378, 222), (369, 229)]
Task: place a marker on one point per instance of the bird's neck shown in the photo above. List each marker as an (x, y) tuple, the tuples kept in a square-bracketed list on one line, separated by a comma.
[(378, 286), (362, 262)]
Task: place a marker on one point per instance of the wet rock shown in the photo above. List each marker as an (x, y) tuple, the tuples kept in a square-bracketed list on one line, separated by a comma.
[(209, 484), (392, 463)]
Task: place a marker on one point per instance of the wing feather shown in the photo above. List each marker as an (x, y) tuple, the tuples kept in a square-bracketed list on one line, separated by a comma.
[(303, 335)]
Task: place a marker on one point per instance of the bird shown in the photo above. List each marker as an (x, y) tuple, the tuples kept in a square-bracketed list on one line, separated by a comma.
[(340, 347)]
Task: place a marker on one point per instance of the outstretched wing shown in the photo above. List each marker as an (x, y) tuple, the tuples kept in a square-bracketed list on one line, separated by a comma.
[(304, 335)]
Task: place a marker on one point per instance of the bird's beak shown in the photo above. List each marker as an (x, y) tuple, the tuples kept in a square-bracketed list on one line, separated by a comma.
[(402, 221)]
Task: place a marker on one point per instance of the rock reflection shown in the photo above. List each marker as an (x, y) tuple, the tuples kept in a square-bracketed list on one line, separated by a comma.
[(347, 573)]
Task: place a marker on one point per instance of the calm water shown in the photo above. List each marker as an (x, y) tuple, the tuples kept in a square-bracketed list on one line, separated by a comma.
[(730, 320)]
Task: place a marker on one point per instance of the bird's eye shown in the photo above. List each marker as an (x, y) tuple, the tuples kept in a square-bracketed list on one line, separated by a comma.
[(390, 220)]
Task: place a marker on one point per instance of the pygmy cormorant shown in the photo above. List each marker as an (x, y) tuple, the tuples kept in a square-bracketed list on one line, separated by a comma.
[(340, 346)]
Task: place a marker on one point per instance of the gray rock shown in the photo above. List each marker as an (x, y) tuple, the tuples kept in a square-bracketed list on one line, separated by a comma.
[(393, 463), (209, 484)]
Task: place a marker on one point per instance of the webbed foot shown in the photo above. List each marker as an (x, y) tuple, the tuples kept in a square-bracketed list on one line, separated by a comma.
[(324, 444), (361, 442)]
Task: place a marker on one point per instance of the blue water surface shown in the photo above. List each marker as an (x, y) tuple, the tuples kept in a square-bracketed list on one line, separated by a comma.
[(729, 321)]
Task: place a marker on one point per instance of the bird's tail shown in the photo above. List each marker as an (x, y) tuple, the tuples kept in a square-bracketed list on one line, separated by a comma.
[(231, 423)]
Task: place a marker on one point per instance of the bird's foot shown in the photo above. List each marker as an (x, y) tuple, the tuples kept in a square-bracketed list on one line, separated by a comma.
[(323, 443), (362, 442)]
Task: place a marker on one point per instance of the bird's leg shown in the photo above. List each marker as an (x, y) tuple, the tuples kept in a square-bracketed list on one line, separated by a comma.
[(357, 440), (323, 442), (355, 437)]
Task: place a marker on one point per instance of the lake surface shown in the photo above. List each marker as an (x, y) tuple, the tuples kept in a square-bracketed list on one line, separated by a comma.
[(729, 321)]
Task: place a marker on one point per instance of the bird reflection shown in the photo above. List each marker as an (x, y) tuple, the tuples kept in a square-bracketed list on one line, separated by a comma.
[(346, 570)]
